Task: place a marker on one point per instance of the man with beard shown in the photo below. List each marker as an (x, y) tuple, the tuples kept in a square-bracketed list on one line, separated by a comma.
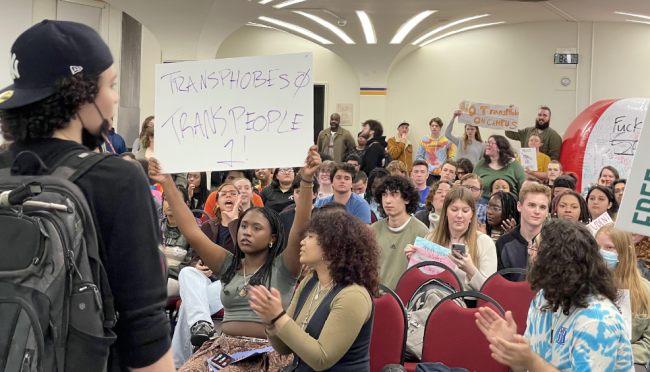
[(375, 150), (335, 141), (551, 141)]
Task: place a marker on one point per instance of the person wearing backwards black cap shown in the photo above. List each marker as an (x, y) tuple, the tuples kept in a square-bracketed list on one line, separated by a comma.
[(61, 98)]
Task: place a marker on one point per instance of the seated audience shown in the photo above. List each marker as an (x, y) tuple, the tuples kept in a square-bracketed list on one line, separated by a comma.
[(570, 205), (353, 160), (430, 215), (619, 189), (458, 225), (554, 170), (419, 176), (137, 144), (280, 194), (617, 248), (360, 183), (245, 188), (335, 333), (325, 180), (197, 191), (398, 201), (465, 166), (264, 176), (341, 177), (600, 199), (501, 185), (499, 162), (606, 177), (543, 160), (229, 177), (502, 215), (573, 323), (176, 249), (397, 168), (448, 170), (512, 247), (470, 145), (260, 251), (289, 213), (227, 204), (530, 180), (375, 178), (563, 183), (474, 183)]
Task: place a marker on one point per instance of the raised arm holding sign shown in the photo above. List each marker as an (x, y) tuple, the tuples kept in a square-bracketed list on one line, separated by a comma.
[(486, 115), (241, 113)]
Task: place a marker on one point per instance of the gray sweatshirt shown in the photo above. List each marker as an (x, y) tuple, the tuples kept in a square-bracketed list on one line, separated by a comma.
[(474, 151)]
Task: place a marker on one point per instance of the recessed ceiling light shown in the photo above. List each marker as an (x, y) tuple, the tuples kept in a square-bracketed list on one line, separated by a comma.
[(330, 26), (447, 26), (265, 1), (367, 27), (633, 15), (461, 30), (287, 3), (408, 26), (297, 29), (646, 23)]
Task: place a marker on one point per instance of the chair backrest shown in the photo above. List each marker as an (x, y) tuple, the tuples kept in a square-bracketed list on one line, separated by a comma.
[(414, 277), (388, 332), (451, 336), (513, 296)]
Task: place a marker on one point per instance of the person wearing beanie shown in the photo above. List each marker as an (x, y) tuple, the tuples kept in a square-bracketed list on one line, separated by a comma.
[(400, 148), (59, 106)]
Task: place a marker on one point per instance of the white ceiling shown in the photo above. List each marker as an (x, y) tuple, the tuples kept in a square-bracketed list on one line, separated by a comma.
[(194, 29)]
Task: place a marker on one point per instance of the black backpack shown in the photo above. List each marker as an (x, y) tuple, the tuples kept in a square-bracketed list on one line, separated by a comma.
[(56, 304)]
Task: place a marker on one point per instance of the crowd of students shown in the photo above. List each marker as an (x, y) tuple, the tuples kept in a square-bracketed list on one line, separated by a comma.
[(294, 256)]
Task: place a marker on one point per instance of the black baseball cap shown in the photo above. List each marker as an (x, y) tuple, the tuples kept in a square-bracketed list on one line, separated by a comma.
[(48, 52)]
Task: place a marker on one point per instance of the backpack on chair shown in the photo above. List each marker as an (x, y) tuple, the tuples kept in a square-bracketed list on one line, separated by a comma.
[(56, 304), (421, 304)]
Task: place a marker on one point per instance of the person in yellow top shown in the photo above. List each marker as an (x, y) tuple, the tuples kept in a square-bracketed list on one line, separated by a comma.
[(543, 160), (400, 148)]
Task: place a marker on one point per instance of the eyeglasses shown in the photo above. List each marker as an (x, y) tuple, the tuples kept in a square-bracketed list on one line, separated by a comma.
[(490, 143), (229, 193), (494, 209), (460, 174), (285, 171), (472, 188)]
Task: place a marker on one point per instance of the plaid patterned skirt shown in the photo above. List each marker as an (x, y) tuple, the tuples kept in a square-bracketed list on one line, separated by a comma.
[(268, 362)]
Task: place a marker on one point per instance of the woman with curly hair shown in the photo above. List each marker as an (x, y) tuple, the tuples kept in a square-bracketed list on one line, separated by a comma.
[(499, 161), (137, 144), (617, 247), (502, 215), (430, 216), (571, 206), (329, 322), (458, 224), (260, 258), (573, 323)]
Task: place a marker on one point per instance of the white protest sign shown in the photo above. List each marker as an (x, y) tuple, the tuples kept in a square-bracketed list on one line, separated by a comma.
[(634, 214), (599, 222), (613, 140), (489, 116), (528, 158), (240, 113)]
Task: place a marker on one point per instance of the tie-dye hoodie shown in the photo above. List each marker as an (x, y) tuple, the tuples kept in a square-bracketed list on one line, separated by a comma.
[(436, 152)]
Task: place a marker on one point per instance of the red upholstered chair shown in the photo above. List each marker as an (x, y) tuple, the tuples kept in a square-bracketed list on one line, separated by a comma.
[(388, 332), (414, 277), (204, 215), (452, 338), (512, 296)]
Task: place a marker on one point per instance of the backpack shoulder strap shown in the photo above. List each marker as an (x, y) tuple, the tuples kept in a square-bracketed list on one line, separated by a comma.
[(76, 163)]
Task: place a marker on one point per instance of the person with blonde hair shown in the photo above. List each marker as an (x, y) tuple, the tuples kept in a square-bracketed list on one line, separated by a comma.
[(470, 145), (617, 248), (458, 225), (324, 178), (148, 122), (397, 168)]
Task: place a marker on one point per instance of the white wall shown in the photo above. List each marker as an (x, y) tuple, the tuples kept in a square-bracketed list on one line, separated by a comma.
[(151, 56), (343, 81)]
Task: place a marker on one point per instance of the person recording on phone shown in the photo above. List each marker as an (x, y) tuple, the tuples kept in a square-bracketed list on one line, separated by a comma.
[(457, 230)]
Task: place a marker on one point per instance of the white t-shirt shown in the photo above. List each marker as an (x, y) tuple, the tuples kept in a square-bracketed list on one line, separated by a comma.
[(588, 339)]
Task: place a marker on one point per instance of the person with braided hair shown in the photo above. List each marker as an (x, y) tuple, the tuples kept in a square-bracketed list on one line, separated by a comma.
[(260, 258), (502, 215), (375, 178)]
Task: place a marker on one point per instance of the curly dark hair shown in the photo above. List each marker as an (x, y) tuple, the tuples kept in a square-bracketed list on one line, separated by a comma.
[(428, 203), (405, 187), (569, 267), (345, 167), (506, 155), (377, 173), (40, 119), (465, 164), (351, 247)]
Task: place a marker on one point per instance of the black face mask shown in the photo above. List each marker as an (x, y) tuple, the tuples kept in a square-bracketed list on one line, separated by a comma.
[(92, 141)]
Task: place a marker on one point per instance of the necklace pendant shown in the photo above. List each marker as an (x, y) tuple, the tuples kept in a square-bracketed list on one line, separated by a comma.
[(242, 293), (316, 297)]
